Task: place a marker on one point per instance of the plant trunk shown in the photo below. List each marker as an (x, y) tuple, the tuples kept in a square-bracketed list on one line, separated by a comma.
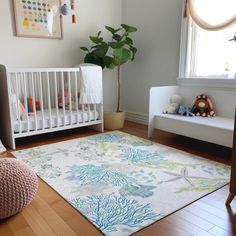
[(118, 80)]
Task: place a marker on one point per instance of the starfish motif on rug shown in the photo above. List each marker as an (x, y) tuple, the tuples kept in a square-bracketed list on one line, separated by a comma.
[(183, 175)]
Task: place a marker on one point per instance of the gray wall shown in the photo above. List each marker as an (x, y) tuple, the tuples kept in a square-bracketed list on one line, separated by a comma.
[(158, 43), (35, 52)]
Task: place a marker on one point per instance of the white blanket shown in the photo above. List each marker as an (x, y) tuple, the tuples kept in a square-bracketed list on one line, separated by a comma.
[(91, 84)]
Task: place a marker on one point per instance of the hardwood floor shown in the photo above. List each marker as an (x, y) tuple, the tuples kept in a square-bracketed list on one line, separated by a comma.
[(49, 214)]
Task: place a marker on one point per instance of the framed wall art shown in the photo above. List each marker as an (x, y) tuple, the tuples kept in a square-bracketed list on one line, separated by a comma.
[(38, 18)]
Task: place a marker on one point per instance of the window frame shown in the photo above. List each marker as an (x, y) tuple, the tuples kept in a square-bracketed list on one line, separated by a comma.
[(185, 52)]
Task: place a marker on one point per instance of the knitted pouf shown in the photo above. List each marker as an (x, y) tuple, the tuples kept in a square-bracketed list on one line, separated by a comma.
[(18, 186)]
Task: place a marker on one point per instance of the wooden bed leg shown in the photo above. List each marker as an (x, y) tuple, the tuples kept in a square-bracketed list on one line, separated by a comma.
[(230, 198)]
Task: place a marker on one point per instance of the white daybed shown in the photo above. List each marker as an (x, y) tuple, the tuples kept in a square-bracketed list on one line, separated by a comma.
[(218, 130), (58, 100)]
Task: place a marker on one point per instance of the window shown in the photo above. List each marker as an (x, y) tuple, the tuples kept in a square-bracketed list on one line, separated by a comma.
[(209, 53)]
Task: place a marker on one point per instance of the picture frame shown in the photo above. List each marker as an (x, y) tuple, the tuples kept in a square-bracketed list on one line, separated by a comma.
[(38, 18)]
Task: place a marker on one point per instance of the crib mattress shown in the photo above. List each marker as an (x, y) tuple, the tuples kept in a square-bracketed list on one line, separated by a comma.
[(56, 121)]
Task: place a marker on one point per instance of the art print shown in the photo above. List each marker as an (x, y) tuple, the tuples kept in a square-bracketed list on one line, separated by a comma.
[(38, 18)]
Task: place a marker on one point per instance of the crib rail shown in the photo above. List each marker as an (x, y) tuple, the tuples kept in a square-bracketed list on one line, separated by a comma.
[(47, 99)]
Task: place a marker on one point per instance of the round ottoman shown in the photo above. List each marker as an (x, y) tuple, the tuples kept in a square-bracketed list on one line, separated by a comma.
[(18, 186)]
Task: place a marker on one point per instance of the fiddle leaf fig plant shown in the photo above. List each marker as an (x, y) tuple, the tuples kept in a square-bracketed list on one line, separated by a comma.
[(113, 53)]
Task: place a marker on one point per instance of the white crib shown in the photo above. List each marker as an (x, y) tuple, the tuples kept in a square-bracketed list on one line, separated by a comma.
[(36, 101)]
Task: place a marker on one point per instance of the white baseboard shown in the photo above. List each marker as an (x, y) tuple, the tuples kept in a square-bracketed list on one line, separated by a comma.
[(137, 117)]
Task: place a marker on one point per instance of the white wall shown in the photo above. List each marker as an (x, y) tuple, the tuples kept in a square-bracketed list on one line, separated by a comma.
[(158, 42), (28, 52)]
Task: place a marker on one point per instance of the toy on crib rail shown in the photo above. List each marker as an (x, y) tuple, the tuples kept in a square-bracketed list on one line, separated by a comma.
[(202, 106), (173, 105)]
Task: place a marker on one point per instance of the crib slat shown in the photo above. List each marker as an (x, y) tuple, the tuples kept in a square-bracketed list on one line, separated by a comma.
[(76, 98), (83, 110), (63, 98), (49, 100), (33, 98), (95, 109), (56, 97), (70, 102), (41, 99), (89, 109), (25, 101), (17, 101)]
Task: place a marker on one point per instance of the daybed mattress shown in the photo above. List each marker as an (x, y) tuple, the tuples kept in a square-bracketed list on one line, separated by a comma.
[(57, 121)]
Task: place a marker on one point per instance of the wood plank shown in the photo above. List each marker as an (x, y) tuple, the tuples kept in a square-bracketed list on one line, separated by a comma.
[(195, 220), (215, 220), (36, 222), (17, 222), (75, 219), (217, 231), (163, 228), (211, 209), (56, 223), (187, 226), (5, 230), (26, 231)]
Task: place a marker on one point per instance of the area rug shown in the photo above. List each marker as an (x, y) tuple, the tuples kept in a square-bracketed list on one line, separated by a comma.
[(122, 183)]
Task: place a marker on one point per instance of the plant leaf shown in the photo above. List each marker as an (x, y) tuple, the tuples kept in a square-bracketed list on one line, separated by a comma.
[(95, 39), (128, 28), (91, 58), (95, 46), (121, 55), (84, 49), (133, 50), (129, 41), (117, 44), (116, 37), (99, 33), (109, 62), (101, 50), (112, 30)]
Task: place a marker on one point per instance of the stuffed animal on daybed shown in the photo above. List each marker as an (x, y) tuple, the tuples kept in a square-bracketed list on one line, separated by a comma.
[(184, 111), (173, 105), (202, 106)]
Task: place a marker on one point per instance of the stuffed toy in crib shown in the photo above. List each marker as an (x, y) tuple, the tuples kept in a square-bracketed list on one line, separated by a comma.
[(67, 101), (202, 106), (31, 105)]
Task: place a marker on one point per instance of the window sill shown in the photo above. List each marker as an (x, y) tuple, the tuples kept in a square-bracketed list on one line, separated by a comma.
[(229, 84)]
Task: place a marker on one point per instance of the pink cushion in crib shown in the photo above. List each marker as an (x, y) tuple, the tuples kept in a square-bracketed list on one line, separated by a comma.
[(18, 186)]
